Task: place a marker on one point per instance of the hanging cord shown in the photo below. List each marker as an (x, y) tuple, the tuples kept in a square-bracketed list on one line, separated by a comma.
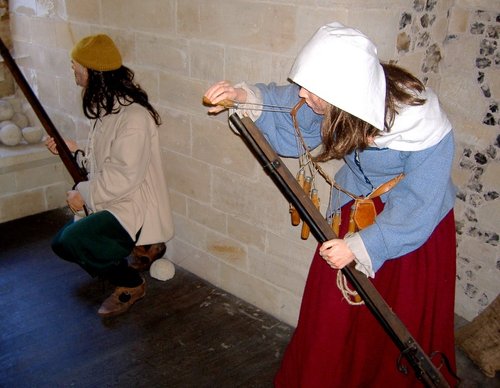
[(310, 160), (351, 296)]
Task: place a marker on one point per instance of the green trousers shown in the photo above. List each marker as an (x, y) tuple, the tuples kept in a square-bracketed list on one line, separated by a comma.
[(100, 245)]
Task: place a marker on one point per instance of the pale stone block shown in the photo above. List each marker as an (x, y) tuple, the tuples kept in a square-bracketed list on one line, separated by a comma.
[(175, 131), (194, 260), (456, 50), (289, 308), (21, 204), (470, 134), (228, 250), (207, 216), (432, 81), (20, 26), (295, 253), (8, 183), (188, 176), (178, 203), (443, 6), (246, 65), (164, 53), (81, 129), (51, 61), (491, 176), (39, 176), (459, 21), (70, 96), (277, 271), (369, 22), (493, 81), (149, 81), (47, 89), (355, 4), (280, 69), (216, 144), (147, 15), (486, 5), (477, 280), (45, 32), (206, 61), (460, 176), (68, 34), (459, 210), (489, 214), (17, 157), (26, 7), (248, 201), (470, 248), (311, 18), (191, 232), (182, 93), (55, 195), (83, 11), (252, 25), (251, 289), (464, 307), (439, 29), (461, 95), (489, 285), (246, 233)]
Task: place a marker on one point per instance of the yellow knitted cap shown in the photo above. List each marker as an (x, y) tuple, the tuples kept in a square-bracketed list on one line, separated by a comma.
[(97, 52)]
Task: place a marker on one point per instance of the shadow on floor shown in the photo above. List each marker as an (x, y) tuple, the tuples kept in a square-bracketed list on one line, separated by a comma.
[(185, 333)]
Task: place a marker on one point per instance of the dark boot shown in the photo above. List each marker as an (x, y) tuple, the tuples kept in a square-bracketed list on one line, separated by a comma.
[(144, 255)]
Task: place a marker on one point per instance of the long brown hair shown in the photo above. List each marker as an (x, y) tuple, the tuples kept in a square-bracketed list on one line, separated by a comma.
[(342, 132), (106, 88)]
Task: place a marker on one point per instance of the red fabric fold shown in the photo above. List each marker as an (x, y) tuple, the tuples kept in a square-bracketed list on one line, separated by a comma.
[(339, 345)]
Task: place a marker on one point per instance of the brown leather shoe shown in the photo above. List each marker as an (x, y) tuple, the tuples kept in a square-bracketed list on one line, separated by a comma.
[(121, 300), (144, 255)]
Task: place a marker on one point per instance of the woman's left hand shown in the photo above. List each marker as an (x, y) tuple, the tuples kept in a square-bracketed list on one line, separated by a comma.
[(75, 200), (336, 253)]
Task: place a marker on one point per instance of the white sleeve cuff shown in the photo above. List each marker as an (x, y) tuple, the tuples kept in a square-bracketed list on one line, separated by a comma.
[(254, 96), (84, 190), (363, 260)]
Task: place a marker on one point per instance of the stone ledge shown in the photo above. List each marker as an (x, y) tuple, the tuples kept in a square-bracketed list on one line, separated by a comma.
[(33, 181), (24, 156)]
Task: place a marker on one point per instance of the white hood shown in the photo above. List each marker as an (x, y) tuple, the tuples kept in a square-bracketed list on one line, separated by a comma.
[(340, 65)]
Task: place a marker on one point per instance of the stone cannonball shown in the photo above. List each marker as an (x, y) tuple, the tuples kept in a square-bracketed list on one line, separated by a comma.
[(162, 269), (11, 135), (20, 119), (32, 135), (6, 110)]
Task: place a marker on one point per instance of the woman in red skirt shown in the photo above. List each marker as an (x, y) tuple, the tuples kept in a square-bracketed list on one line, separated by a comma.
[(384, 123)]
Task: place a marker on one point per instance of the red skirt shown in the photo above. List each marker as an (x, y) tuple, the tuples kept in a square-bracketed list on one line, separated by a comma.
[(339, 345)]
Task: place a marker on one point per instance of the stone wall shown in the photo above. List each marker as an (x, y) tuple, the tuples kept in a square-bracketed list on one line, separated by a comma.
[(6, 80), (232, 225), (31, 179)]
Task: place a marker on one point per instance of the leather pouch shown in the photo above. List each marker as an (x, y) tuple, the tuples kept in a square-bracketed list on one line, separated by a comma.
[(364, 212)]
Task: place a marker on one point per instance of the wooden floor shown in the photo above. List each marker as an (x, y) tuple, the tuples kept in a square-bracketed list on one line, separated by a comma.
[(184, 333)]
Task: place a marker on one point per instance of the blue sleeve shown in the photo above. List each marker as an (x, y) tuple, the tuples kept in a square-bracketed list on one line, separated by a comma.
[(415, 206), (277, 127)]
